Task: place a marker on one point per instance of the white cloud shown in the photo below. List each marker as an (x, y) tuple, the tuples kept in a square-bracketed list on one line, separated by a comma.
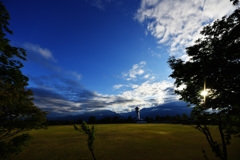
[(143, 63), (177, 23), (137, 70), (181, 87), (148, 90), (152, 78), (134, 86), (44, 52), (118, 86), (147, 94), (147, 76), (150, 94)]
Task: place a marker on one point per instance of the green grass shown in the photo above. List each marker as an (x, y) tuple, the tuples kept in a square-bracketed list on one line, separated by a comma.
[(123, 142)]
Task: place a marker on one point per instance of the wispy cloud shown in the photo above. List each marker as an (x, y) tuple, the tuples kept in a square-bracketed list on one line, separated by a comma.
[(177, 23), (44, 58), (44, 52), (100, 4), (153, 53), (75, 74)]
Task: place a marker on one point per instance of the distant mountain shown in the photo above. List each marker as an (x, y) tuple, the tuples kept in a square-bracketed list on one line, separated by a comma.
[(171, 109), (99, 114)]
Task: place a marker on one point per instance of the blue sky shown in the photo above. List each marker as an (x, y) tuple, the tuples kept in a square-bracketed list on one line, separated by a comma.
[(86, 55)]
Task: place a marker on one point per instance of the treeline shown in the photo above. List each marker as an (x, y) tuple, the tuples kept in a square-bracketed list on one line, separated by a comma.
[(183, 119)]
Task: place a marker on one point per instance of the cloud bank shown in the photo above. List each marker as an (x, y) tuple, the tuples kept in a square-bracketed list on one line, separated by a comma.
[(143, 89), (178, 23), (59, 94)]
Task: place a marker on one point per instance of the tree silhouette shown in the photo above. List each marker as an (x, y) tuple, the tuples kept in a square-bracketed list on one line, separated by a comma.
[(130, 119), (17, 110), (235, 2), (214, 63), (184, 118), (91, 135), (92, 120)]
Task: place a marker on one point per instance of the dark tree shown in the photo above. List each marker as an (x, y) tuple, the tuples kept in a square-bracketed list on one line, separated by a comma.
[(130, 119), (184, 118), (178, 118), (116, 119), (79, 121), (92, 120), (147, 119), (214, 63), (235, 2), (17, 110), (157, 118)]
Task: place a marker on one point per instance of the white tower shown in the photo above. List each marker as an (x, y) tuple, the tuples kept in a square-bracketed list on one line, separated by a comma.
[(138, 113)]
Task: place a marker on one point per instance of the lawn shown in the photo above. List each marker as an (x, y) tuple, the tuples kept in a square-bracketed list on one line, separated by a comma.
[(123, 142)]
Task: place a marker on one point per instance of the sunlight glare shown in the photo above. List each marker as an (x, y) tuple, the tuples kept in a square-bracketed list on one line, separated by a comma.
[(204, 93)]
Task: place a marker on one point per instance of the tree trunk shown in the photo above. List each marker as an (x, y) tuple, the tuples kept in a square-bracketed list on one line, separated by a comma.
[(224, 146), (93, 154)]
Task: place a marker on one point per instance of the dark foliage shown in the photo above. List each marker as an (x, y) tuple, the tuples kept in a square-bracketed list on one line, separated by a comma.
[(92, 120), (17, 110), (215, 62), (235, 2)]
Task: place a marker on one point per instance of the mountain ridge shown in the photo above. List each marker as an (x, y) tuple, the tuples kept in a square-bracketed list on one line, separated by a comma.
[(170, 109)]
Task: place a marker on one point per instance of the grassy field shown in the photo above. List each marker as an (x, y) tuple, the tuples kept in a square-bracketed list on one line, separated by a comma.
[(123, 142)]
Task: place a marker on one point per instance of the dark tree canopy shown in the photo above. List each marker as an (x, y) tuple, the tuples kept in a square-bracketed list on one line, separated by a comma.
[(214, 61), (235, 2), (216, 57), (92, 120), (17, 110)]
